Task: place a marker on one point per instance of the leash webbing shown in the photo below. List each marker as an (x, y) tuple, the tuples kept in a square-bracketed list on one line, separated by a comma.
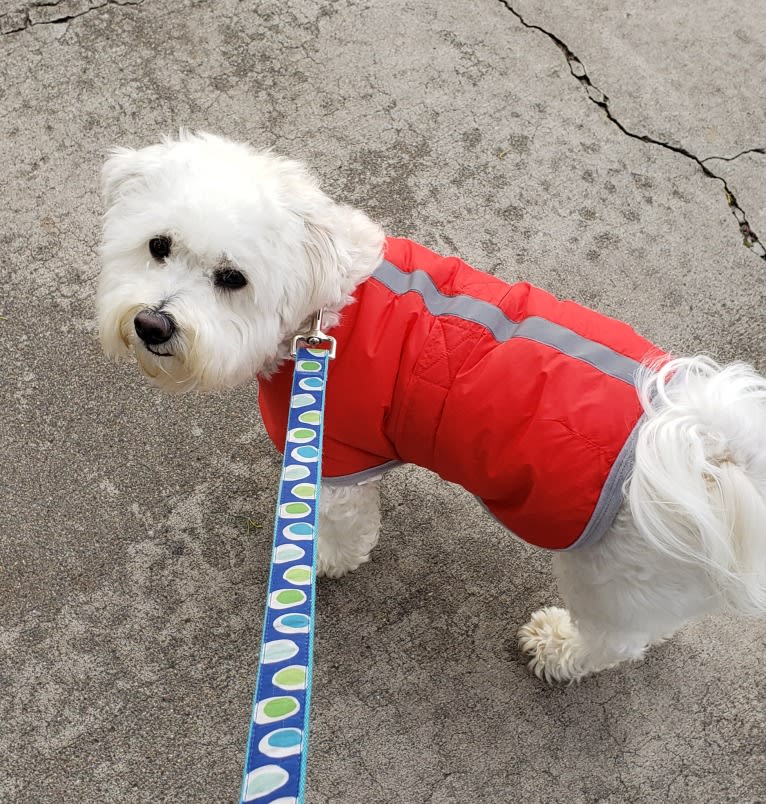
[(277, 745)]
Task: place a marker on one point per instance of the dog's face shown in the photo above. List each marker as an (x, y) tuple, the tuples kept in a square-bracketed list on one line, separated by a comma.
[(213, 256)]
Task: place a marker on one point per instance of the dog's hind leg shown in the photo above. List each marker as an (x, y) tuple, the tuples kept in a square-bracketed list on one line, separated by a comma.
[(694, 541), (621, 596), (563, 650), (349, 522)]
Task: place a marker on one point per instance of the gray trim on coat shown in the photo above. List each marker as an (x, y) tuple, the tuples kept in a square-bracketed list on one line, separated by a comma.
[(608, 503), (612, 496), (360, 478)]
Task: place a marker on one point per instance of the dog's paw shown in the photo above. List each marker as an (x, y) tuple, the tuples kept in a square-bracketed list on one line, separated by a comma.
[(337, 566), (550, 639)]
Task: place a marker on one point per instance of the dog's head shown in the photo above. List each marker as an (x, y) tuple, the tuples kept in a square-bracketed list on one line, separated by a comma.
[(214, 255)]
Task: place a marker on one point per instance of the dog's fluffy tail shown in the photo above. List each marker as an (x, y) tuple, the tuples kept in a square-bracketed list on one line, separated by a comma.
[(698, 490)]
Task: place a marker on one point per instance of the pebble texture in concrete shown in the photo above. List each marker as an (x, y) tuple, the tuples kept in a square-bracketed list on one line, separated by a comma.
[(135, 528)]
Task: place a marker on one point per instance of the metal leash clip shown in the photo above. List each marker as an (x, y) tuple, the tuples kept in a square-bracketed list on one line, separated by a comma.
[(314, 337)]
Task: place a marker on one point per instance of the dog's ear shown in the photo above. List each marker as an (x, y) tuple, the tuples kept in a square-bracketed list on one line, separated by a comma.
[(327, 261), (123, 165), (343, 247)]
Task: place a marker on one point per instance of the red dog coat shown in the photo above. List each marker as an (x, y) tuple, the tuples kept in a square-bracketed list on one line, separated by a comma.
[(527, 402)]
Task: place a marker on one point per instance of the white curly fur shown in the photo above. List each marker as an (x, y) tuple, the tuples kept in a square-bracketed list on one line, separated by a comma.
[(216, 198), (691, 534)]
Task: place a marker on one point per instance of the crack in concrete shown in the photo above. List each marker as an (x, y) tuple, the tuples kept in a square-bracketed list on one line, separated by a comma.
[(749, 237), (21, 19), (736, 156)]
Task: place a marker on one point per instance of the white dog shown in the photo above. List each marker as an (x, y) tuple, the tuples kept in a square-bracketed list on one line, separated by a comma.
[(215, 255)]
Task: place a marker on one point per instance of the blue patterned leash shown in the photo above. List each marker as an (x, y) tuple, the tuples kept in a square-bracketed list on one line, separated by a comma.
[(277, 745)]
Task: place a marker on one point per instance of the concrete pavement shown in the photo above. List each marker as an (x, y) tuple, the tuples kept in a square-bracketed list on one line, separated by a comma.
[(584, 150)]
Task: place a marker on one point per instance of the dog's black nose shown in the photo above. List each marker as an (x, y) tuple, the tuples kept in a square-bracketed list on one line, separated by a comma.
[(154, 327)]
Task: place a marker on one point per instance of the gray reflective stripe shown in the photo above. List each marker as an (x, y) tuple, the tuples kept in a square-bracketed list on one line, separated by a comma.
[(536, 329), (359, 478), (437, 303)]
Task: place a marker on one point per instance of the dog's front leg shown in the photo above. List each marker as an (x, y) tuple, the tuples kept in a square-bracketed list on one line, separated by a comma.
[(349, 522)]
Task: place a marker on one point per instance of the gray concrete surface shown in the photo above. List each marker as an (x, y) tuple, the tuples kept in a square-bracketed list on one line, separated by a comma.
[(135, 528)]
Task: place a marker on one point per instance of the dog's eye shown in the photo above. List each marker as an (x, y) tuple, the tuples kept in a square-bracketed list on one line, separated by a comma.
[(159, 247), (230, 279)]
